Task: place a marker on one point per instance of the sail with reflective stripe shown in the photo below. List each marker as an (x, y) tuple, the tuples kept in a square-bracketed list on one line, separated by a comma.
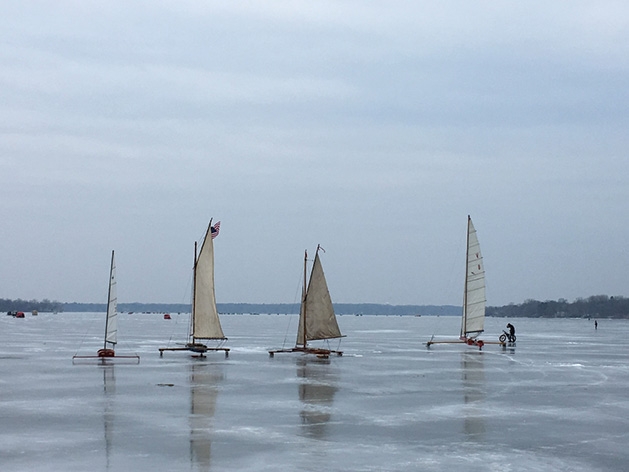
[(111, 323), (473, 322)]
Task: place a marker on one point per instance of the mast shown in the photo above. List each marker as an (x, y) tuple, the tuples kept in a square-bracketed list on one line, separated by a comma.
[(467, 269), (194, 289), (304, 294)]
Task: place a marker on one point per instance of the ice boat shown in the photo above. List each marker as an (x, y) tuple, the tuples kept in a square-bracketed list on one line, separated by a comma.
[(473, 318), (204, 321), (111, 323), (317, 320)]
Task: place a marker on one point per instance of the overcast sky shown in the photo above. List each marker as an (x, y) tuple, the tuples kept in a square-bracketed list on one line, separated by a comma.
[(371, 128)]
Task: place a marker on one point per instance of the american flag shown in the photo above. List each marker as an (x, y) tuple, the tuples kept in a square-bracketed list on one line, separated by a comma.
[(215, 229)]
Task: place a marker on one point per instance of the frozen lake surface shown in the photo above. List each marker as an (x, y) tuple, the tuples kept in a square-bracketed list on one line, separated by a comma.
[(557, 401)]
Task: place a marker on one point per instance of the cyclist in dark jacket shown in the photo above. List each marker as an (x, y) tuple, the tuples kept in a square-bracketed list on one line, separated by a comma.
[(511, 329)]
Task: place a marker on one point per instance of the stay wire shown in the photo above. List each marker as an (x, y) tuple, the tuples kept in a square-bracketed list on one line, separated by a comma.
[(182, 299), (89, 328), (297, 294)]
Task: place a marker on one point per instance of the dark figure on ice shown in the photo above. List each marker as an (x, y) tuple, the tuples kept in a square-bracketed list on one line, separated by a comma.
[(595, 324), (511, 329), (508, 336)]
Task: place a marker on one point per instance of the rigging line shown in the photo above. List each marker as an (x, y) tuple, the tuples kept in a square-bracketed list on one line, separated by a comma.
[(172, 332), (286, 333), (183, 299), (188, 289), (124, 342), (89, 327), (329, 346), (296, 294), (201, 238), (458, 253), (127, 345)]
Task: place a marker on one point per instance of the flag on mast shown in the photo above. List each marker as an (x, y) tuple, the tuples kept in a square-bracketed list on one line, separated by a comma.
[(215, 229)]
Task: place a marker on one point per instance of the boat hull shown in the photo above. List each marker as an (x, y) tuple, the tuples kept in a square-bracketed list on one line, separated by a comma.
[(320, 353), (134, 359), (198, 348), (469, 341)]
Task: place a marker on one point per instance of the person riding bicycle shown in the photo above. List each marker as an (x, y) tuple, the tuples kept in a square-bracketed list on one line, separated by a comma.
[(511, 330)]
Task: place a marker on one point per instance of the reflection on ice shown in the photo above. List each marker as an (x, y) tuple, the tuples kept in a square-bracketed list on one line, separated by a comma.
[(204, 380), (109, 390), (474, 386), (317, 387)]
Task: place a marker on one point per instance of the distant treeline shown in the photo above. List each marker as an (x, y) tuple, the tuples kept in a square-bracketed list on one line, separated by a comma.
[(343, 309), (598, 306), (30, 305), (129, 307), (273, 308)]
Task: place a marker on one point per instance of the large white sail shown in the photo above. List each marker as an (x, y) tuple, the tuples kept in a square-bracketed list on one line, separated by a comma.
[(205, 321), (474, 297), (317, 313), (111, 325)]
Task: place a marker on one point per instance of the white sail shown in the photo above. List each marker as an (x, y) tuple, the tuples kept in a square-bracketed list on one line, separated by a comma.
[(111, 324), (205, 321), (474, 297), (317, 319)]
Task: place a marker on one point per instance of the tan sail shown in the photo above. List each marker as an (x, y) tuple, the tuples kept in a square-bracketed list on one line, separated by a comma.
[(317, 313), (205, 321)]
